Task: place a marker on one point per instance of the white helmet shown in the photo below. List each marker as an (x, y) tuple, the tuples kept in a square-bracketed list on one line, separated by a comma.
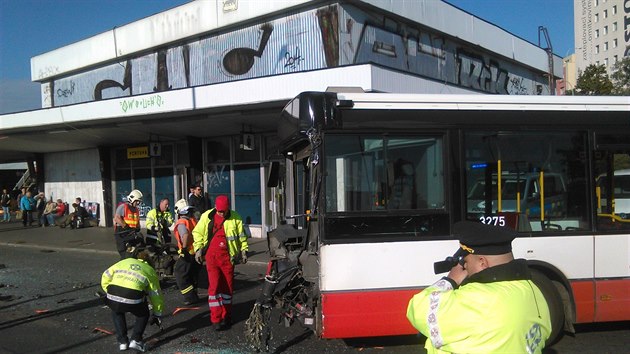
[(182, 207), (134, 195)]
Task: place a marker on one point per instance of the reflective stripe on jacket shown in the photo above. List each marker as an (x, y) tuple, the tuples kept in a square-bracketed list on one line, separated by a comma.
[(234, 232), (190, 225), (134, 274), (481, 317)]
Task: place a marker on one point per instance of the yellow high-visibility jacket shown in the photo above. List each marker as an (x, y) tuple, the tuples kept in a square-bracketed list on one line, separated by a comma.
[(494, 311), (234, 232), (134, 274), (159, 219)]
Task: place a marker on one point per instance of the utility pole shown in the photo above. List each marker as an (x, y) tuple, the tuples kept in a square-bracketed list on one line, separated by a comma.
[(549, 50)]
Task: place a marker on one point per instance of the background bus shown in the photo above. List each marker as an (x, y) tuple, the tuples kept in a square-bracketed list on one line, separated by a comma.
[(371, 184), (618, 190), (528, 193)]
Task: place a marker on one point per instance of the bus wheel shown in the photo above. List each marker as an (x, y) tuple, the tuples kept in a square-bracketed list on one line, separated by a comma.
[(555, 304)]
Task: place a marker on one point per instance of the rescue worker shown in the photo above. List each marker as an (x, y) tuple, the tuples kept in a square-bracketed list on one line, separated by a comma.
[(487, 303), (220, 230), (186, 268), (127, 222), (158, 222), (127, 284)]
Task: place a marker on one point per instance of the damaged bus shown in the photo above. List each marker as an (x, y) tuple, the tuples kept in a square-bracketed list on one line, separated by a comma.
[(369, 185)]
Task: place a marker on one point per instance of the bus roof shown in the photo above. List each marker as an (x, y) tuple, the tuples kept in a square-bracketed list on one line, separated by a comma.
[(484, 102)]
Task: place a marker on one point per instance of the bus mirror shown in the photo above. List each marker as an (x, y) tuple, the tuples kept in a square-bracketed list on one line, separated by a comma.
[(274, 175)]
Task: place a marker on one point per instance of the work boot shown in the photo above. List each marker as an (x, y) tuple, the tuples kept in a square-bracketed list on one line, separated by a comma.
[(218, 326), (123, 346), (191, 298), (139, 346), (223, 325)]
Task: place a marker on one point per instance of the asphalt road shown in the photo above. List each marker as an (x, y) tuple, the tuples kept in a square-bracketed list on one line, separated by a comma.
[(47, 305)]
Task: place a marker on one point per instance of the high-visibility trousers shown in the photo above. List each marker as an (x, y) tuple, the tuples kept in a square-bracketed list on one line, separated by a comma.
[(220, 285)]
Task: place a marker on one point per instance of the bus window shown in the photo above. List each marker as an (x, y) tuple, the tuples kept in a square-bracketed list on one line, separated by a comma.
[(613, 215), (536, 170), (384, 188), (368, 173)]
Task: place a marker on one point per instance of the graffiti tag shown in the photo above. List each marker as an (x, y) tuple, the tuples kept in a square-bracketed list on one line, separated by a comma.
[(217, 177), (473, 72), (292, 61), (67, 91)]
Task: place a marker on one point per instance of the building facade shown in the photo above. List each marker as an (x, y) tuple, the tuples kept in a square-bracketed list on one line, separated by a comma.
[(193, 95), (602, 32)]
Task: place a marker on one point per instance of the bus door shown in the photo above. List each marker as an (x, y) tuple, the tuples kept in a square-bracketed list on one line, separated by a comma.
[(612, 256)]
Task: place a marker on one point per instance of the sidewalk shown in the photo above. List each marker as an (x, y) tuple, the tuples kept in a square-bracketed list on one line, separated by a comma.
[(92, 239)]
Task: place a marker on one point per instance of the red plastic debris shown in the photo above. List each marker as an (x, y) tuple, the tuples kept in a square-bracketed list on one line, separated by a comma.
[(98, 329), (179, 309)]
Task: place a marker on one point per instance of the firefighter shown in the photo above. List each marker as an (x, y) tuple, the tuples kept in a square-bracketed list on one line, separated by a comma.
[(487, 303), (127, 222), (186, 268), (158, 222), (127, 284), (220, 231)]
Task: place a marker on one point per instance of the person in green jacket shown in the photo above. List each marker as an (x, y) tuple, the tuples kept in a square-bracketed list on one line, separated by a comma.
[(158, 221), (128, 283), (487, 303)]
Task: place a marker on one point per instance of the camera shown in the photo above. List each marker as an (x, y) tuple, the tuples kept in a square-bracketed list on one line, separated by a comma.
[(446, 265)]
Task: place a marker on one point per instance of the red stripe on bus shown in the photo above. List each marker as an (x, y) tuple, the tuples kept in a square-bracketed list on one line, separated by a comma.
[(584, 305), (612, 300), (383, 313), (602, 300), (366, 313)]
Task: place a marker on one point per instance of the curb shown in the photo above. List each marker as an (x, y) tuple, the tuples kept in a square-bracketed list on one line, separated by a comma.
[(19, 245), (84, 250)]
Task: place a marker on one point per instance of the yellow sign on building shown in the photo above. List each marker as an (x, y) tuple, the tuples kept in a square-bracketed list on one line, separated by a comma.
[(140, 152)]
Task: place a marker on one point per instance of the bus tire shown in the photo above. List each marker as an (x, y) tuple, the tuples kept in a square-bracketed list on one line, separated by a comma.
[(555, 304)]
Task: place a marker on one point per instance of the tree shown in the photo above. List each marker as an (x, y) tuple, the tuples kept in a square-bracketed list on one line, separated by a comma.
[(594, 81), (621, 77)]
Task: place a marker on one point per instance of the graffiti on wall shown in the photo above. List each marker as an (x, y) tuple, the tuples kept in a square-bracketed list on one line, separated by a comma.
[(311, 40), (218, 177)]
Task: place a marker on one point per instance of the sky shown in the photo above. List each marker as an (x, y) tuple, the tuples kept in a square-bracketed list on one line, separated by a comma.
[(32, 27)]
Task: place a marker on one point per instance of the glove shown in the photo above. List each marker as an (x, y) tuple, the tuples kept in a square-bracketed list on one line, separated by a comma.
[(244, 257), (199, 257)]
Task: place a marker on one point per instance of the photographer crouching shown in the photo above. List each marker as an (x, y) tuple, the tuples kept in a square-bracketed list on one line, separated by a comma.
[(487, 303)]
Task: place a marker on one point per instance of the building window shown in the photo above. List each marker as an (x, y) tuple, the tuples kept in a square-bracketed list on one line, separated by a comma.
[(614, 26), (596, 49), (596, 18), (605, 30), (596, 2), (615, 43), (605, 13), (605, 46), (616, 58), (606, 61), (596, 33), (614, 9)]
